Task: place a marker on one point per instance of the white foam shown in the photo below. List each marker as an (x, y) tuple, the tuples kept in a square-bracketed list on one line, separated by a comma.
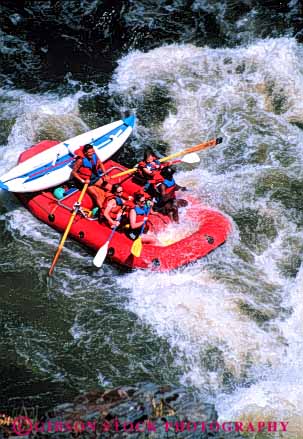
[(36, 118), (197, 312), (251, 96)]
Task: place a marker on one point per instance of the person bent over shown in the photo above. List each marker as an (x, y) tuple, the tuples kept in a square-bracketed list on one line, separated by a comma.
[(166, 202), (89, 169)]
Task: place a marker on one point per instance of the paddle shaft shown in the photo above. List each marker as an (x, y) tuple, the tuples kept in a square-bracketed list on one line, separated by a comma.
[(68, 227), (199, 147), (144, 222)]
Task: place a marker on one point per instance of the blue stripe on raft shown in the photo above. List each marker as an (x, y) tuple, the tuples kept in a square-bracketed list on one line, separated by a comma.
[(3, 186), (106, 136), (34, 176), (66, 159)]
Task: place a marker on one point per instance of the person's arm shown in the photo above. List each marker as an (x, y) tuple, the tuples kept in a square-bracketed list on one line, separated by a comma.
[(107, 211), (75, 170), (163, 196), (147, 172), (101, 166), (133, 220), (154, 212), (180, 188)]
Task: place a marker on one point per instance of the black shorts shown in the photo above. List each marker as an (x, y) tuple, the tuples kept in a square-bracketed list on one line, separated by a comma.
[(76, 183), (132, 234)]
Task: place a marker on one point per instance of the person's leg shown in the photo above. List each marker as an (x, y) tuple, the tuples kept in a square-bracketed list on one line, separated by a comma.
[(102, 184), (171, 210), (175, 214), (97, 195), (182, 203)]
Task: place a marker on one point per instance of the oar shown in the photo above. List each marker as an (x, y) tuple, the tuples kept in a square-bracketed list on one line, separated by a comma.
[(137, 244), (186, 151), (102, 252), (188, 158), (68, 227)]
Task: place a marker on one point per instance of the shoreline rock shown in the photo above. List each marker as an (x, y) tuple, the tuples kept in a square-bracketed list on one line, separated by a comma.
[(134, 412)]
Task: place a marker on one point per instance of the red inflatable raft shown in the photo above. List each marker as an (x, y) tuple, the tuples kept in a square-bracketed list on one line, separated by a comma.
[(204, 229)]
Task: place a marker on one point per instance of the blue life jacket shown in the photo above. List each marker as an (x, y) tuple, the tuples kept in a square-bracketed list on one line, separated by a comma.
[(119, 201), (141, 211), (169, 183), (170, 186), (86, 163)]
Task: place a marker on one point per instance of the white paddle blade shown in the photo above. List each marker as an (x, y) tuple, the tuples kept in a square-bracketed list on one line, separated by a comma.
[(101, 255), (191, 158)]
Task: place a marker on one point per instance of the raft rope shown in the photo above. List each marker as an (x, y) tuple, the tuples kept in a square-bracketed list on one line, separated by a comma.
[(59, 203)]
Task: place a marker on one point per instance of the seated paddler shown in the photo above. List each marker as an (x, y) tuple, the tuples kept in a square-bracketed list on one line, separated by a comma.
[(89, 169), (148, 169), (138, 217), (116, 206)]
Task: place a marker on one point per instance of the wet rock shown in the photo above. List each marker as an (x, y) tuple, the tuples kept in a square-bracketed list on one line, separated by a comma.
[(81, 399), (15, 19), (146, 410), (114, 395), (65, 407)]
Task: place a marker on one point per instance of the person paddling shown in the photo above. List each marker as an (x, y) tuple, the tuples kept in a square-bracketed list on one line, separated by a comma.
[(115, 205), (88, 168), (148, 169), (137, 217), (166, 202)]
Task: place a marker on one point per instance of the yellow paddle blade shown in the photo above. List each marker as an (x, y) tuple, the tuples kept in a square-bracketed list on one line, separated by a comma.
[(136, 247)]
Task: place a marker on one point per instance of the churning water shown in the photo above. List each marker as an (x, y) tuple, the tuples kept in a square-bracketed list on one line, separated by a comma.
[(230, 325)]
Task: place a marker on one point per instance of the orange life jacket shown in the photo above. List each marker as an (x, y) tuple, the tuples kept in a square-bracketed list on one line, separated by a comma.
[(115, 210), (120, 204)]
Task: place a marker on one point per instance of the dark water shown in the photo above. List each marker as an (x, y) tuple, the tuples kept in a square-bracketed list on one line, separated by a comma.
[(217, 326), (44, 43)]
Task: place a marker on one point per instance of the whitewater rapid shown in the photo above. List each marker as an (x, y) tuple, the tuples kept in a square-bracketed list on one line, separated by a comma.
[(232, 319)]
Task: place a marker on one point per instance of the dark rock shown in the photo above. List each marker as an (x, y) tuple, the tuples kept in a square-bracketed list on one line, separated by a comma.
[(144, 411), (114, 395), (81, 399)]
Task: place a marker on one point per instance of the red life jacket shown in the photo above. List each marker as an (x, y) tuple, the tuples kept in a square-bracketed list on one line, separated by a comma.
[(170, 188), (170, 193), (153, 166), (157, 178)]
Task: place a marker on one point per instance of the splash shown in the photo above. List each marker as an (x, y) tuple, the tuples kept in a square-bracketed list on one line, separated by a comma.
[(232, 319), (37, 117)]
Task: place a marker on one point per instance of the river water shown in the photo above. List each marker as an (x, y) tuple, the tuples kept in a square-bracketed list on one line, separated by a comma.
[(228, 327)]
